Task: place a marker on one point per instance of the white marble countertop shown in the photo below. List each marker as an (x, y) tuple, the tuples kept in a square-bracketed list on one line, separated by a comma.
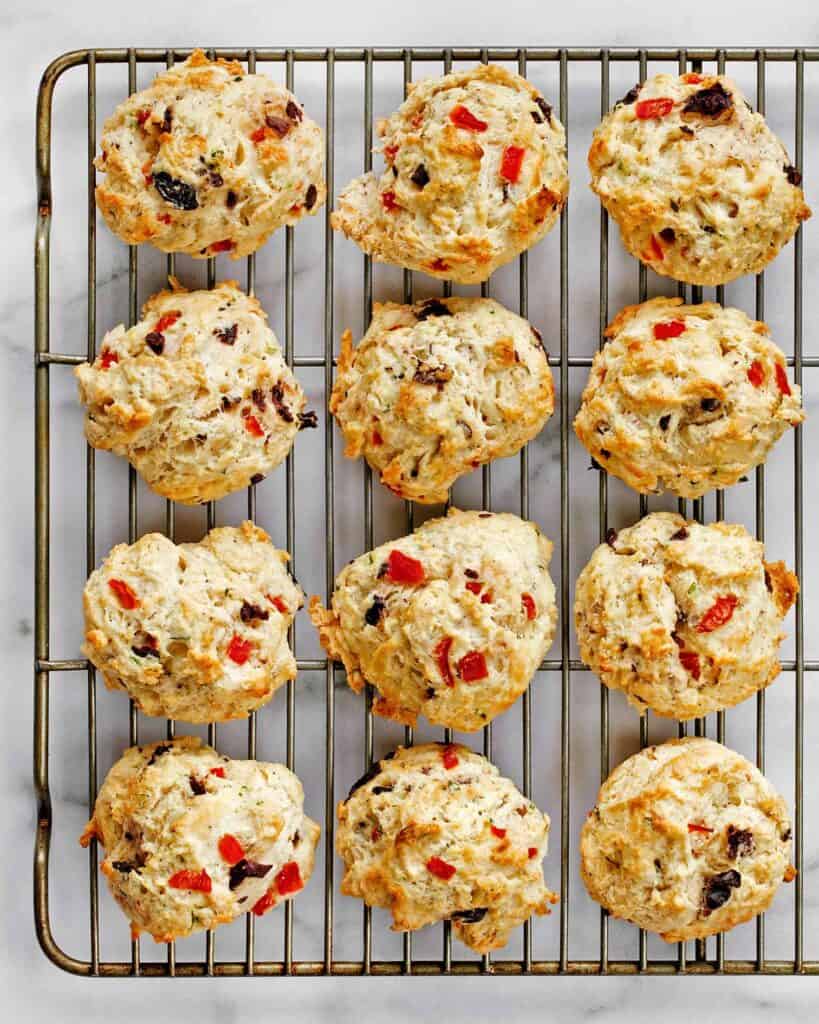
[(32, 33)]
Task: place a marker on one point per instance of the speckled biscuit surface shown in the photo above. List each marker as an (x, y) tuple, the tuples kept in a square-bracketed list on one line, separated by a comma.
[(435, 833), (685, 398), (193, 839), (701, 188), (438, 388), (687, 839), (476, 173), (209, 160), (194, 632), (450, 622), (685, 619), (197, 395)]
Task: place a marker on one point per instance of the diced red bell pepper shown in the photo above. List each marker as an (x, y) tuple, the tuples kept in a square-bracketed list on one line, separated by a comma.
[(166, 320), (511, 163), (463, 118), (143, 115), (389, 202), (218, 772), (289, 879), (193, 881), (529, 605), (403, 568), (252, 426), (782, 379), (441, 653), (669, 329), (659, 107), (449, 757), (656, 248), (225, 245), (690, 661), (440, 868), (259, 135), (126, 597), (239, 649), (756, 374), (389, 153), (472, 667), (278, 604), (532, 852), (499, 832), (474, 585), (377, 438), (718, 614), (107, 357), (261, 906), (693, 826), (692, 78), (487, 597), (230, 849)]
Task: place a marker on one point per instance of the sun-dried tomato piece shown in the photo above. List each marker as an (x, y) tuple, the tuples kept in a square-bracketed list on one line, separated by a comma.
[(449, 757), (463, 118), (278, 603), (218, 772), (289, 879), (225, 245), (238, 649), (193, 881), (529, 605), (441, 653), (261, 906), (658, 107), (475, 586), (669, 329), (403, 568), (107, 357), (499, 832), (694, 826), (230, 849), (252, 426), (126, 597), (440, 868), (718, 614), (167, 320), (472, 667), (690, 661), (756, 373), (511, 163), (389, 202), (782, 379)]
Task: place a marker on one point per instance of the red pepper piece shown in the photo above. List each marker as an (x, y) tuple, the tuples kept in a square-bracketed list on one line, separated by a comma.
[(289, 879), (718, 614), (475, 586), (690, 661), (230, 849), (166, 218), (756, 374), (694, 827), (403, 568), (259, 135), (376, 834), (472, 667), (389, 153), (692, 78), (261, 906), (278, 604), (389, 202), (441, 653), (439, 264), (499, 832), (487, 597), (532, 852), (219, 772), (511, 163), (782, 379), (656, 248), (463, 118), (143, 115), (193, 881), (377, 438), (107, 357), (440, 868), (669, 329), (126, 597), (252, 426), (166, 320), (659, 107), (449, 757), (224, 246), (239, 649), (529, 605)]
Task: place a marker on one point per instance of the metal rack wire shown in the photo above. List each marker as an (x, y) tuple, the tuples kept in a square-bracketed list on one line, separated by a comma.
[(565, 665)]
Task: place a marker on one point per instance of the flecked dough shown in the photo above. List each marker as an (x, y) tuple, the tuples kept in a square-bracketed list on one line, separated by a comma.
[(436, 389), (193, 839), (700, 187), (435, 833), (197, 395), (209, 160), (685, 398), (450, 622), (476, 173), (687, 839), (685, 619), (193, 632)]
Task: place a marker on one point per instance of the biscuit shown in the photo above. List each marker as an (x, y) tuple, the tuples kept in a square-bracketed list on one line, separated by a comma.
[(476, 173), (685, 619), (435, 833), (700, 187), (435, 389), (194, 632), (209, 160), (197, 395), (687, 839), (451, 622), (685, 398), (194, 840)]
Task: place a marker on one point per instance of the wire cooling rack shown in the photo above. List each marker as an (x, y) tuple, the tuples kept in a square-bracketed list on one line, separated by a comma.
[(320, 934)]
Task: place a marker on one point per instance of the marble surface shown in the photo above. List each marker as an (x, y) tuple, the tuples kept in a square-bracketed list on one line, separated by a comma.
[(32, 33)]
